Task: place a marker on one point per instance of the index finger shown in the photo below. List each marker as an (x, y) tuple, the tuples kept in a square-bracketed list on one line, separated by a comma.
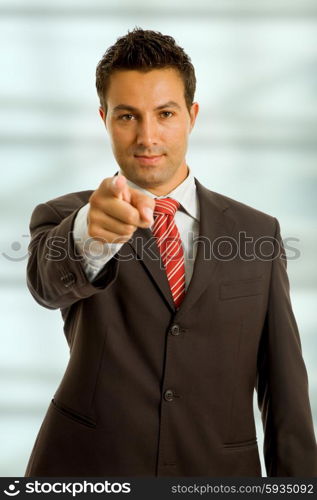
[(119, 188)]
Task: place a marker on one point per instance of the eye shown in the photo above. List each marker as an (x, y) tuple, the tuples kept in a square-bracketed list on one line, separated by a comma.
[(126, 117), (167, 114)]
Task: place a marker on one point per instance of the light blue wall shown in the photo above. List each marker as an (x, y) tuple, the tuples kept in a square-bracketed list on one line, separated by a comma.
[(255, 140)]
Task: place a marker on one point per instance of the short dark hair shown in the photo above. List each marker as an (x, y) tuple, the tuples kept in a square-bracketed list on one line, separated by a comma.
[(145, 50)]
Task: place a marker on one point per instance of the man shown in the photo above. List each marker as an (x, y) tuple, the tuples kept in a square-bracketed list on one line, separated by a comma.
[(172, 320)]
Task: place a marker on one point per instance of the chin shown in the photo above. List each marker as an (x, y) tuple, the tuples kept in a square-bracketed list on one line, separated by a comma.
[(151, 176), (146, 174)]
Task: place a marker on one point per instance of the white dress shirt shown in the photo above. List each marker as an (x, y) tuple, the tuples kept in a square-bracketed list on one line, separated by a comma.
[(97, 254)]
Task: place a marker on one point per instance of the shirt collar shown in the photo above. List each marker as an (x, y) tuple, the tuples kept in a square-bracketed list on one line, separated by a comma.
[(185, 193)]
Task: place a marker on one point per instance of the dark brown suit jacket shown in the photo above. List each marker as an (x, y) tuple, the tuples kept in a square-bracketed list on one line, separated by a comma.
[(154, 391)]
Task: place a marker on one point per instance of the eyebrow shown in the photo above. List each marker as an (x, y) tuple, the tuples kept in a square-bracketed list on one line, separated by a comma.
[(127, 107)]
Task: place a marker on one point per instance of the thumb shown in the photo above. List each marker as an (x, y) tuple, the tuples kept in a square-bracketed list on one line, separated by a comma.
[(145, 205), (147, 214)]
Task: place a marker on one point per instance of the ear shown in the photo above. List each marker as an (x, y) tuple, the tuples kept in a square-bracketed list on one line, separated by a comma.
[(193, 114), (103, 115)]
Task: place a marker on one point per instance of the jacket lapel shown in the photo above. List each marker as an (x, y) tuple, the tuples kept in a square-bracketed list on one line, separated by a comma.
[(146, 249), (214, 223)]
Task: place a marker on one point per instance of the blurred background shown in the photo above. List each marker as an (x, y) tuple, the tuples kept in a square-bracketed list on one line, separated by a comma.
[(255, 141)]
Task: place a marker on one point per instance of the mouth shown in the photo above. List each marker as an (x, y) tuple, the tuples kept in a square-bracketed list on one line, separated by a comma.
[(148, 160)]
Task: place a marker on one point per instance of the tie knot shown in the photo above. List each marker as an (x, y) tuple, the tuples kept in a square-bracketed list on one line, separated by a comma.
[(166, 206)]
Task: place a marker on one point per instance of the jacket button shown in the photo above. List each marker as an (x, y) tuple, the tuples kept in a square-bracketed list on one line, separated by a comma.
[(68, 279), (175, 330), (168, 395)]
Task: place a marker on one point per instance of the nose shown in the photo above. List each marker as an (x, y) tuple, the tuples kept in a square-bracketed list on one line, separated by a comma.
[(147, 132)]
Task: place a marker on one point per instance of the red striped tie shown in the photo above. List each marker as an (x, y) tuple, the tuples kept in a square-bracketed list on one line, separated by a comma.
[(170, 246)]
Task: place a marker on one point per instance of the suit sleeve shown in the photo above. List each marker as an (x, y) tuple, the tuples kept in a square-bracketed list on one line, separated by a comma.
[(282, 383), (55, 274)]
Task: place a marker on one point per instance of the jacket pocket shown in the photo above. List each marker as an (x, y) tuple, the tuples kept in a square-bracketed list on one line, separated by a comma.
[(240, 444), (241, 288), (73, 415)]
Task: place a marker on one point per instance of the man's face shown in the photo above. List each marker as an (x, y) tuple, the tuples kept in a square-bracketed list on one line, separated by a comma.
[(149, 123)]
